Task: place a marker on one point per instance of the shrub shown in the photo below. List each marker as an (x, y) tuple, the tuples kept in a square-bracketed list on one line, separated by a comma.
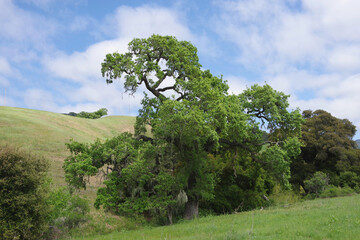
[(333, 191), (93, 115), (317, 183), (68, 211), (350, 179), (23, 191)]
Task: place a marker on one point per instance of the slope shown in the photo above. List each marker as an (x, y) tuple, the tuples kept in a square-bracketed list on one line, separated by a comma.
[(335, 218), (45, 133)]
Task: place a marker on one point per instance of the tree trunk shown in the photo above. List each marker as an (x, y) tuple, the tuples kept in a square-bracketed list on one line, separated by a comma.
[(191, 209), (170, 216)]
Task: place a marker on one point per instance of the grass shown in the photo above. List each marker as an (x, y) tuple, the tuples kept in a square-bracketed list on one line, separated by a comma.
[(335, 218), (45, 133)]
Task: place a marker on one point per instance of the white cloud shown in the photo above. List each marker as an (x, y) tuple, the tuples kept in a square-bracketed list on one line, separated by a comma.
[(19, 25), (306, 48), (4, 82), (83, 66), (80, 23), (340, 98), (337, 18), (4, 66), (39, 99), (269, 32), (144, 21), (237, 84), (345, 58)]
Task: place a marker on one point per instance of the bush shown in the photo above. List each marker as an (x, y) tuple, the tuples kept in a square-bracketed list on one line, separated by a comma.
[(281, 197), (333, 191), (90, 115), (23, 191), (93, 115), (317, 183), (68, 211), (350, 179)]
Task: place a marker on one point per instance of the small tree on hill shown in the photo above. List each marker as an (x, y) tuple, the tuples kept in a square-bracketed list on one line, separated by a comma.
[(93, 115)]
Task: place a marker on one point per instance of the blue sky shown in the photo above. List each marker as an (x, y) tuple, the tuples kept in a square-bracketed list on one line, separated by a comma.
[(51, 50)]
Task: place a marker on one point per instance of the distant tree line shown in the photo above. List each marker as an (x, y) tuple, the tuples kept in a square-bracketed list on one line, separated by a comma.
[(90, 115)]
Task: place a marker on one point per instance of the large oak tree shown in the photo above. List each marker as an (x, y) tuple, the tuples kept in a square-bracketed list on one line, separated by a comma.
[(187, 122)]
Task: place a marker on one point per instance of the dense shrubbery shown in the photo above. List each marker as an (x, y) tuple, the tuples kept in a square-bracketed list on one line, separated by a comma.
[(68, 211), (23, 191), (333, 191), (28, 210), (317, 184)]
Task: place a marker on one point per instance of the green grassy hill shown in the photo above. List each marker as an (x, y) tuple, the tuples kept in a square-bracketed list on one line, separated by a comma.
[(46, 133), (336, 218)]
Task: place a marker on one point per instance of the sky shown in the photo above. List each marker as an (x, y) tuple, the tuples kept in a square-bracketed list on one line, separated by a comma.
[(51, 50)]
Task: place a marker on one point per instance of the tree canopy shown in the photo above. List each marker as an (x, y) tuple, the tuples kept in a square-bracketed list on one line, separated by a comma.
[(328, 147), (189, 131)]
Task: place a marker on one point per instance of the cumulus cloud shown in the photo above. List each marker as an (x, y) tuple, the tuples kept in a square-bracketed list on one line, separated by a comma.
[(237, 84), (20, 26), (39, 99), (84, 66), (4, 66), (4, 82), (274, 32), (307, 48), (144, 21)]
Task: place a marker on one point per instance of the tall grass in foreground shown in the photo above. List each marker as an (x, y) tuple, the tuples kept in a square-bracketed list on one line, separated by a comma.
[(336, 218)]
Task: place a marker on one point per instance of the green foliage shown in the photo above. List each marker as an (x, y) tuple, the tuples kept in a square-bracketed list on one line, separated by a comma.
[(198, 133), (283, 198), (333, 191), (93, 115), (134, 183), (328, 147), (23, 191), (90, 115), (349, 179), (68, 211), (317, 184), (241, 186)]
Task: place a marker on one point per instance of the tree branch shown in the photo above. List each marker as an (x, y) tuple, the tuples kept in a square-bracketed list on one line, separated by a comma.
[(145, 138)]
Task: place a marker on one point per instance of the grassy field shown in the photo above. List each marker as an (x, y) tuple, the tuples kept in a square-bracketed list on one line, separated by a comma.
[(46, 133), (336, 218)]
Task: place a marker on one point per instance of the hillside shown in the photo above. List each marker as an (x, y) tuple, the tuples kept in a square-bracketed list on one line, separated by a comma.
[(46, 133), (336, 218)]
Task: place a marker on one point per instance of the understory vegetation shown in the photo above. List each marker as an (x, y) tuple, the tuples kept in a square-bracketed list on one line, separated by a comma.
[(195, 151)]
